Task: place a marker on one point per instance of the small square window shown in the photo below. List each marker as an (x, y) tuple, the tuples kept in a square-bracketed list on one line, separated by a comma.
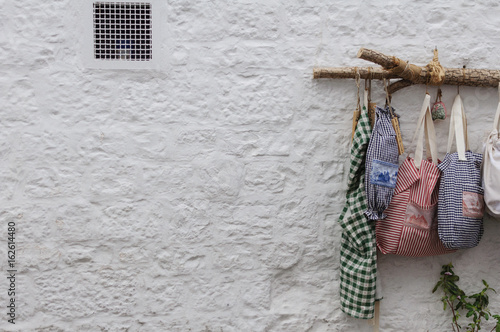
[(117, 36)]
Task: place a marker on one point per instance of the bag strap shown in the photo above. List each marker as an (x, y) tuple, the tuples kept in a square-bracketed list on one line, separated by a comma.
[(357, 112), (496, 122), (394, 120), (425, 126), (458, 127), (365, 100), (438, 95), (466, 135), (430, 136)]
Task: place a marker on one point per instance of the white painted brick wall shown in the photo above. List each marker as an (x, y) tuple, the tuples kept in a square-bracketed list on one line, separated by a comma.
[(204, 195)]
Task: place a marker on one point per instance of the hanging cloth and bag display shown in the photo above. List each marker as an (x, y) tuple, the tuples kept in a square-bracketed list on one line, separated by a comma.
[(460, 204), (358, 251), (491, 167), (410, 227)]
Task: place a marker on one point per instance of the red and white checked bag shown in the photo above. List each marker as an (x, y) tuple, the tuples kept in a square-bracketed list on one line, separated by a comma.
[(410, 228)]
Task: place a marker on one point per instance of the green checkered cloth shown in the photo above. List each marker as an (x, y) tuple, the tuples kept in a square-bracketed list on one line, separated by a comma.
[(358, 253)]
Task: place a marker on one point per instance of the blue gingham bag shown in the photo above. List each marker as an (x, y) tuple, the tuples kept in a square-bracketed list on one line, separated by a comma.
[(461, 202), (382, 162)]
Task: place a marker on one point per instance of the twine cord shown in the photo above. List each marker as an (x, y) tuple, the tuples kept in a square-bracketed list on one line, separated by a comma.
[(438, 96), (370, 75), (436, 73), (358, 77), (407, 70)]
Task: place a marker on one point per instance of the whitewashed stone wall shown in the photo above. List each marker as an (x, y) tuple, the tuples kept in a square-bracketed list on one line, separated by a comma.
[(204, 195)]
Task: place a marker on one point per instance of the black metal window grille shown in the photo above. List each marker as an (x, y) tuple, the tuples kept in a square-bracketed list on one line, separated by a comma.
[(123, 31)]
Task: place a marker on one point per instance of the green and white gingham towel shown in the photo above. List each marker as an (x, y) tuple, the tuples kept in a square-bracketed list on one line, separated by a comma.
[(358, 253)]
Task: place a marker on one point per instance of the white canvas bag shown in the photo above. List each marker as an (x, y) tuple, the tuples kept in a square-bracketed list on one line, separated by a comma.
[(491, 167)]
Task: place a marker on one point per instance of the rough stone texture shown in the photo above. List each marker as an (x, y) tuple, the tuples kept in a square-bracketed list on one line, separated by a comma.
[(204, 195)]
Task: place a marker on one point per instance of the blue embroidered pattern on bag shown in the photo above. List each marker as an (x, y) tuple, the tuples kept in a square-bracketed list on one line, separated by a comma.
[(383, 173)]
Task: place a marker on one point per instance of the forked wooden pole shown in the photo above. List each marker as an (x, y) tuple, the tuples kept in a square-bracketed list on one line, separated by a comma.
[(409, 74)]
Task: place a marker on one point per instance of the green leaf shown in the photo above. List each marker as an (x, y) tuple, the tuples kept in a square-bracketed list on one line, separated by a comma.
[(437, 286)]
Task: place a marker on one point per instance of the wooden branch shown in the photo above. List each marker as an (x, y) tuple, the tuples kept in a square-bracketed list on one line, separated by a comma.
[(364, 73), (350, 72), (398, 85), (393, 67), (381, 59), (453, 76)]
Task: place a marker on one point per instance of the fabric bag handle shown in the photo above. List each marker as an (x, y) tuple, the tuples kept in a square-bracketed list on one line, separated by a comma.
[(458, 127), (496, 122), (425, 125)]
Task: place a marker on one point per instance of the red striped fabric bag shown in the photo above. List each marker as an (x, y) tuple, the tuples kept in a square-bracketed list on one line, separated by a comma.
[(410, 225)]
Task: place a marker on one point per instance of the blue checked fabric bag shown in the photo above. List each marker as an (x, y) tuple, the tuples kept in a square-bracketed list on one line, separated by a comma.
[(382, 162), (460, 203)]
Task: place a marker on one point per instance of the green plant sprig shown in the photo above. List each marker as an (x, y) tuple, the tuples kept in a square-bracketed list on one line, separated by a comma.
[(476, 305)]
